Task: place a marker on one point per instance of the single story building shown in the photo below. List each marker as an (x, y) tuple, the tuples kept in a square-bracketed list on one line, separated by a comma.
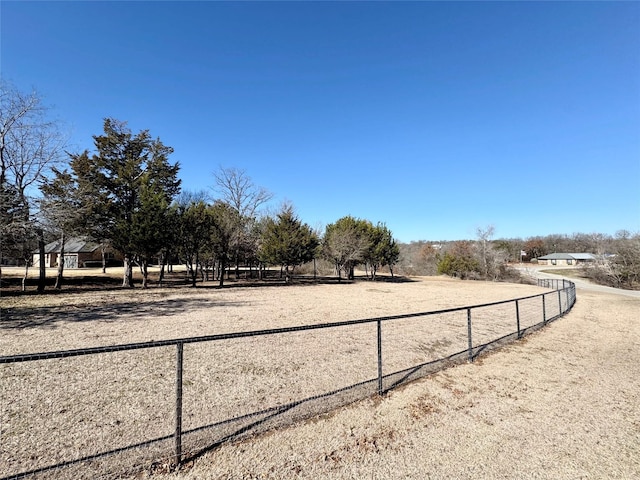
[(566, 259), (77, 253)]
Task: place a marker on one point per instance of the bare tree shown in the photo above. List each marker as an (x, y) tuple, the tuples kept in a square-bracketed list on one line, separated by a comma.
[(30, 145), (62, 212), (621, 267), (235, 188), (484, 242)]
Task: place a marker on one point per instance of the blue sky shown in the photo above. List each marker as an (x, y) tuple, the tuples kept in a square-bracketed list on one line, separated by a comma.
[(436, 118)]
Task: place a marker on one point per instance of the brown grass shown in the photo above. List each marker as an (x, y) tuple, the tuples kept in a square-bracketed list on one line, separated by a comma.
[(95, 403), (562, 404)]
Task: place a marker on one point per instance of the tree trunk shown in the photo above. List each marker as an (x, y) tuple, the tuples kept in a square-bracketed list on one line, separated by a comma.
[(144, 268), (127, 277), (163, 260), (103, 251), (58, 285), (222, 267), (42, 278), (194, 272), (192, 276), (26, 274), (286, 275)]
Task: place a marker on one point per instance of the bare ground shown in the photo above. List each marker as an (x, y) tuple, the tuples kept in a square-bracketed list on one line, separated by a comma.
[(563, 403)]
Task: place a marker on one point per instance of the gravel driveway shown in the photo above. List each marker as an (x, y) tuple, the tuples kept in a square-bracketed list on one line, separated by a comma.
[(535, 271)]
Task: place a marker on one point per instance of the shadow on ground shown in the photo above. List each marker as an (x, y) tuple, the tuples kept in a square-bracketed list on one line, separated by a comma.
[(50, 317)]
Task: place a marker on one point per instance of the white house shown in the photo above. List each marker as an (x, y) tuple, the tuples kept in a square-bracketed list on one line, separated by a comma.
[(566, 259)]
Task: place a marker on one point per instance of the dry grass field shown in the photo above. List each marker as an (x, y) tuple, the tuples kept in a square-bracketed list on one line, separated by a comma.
[(526, 404), (60, 321), (564, 403)]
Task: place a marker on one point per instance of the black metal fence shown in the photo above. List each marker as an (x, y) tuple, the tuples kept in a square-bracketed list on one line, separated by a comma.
[(109, 411)]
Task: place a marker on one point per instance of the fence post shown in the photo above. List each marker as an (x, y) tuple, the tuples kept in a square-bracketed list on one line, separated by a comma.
[(544, 311), (178, 433), (469, 334), (379, 357), (518, 317)]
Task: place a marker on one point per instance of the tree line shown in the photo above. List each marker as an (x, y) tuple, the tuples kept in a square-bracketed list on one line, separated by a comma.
[(127, 196), (616, 257)]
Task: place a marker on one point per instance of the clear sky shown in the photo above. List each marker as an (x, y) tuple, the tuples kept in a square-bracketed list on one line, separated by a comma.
[(436, 118)]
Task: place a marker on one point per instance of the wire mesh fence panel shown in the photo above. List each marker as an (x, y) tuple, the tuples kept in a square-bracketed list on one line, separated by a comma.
[(411, 345), (551, 305), (237, 387), (492, 322), (572, 299), (568, 299), (565, 298), (551, 283), (67, 413), (530, 312)]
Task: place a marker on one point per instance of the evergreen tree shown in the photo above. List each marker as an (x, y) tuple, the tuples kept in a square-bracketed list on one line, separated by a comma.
[(149, 233), (385, 250), (460, 261), (346, 243), (288, 242), (224, 224), (134, 173), (96, 223), (196, 228)]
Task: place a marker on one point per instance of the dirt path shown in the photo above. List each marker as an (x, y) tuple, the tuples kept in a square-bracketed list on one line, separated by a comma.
[(562, 404)]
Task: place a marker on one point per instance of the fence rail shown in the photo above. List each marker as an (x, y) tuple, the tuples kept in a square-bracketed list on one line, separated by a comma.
[(405, 347)]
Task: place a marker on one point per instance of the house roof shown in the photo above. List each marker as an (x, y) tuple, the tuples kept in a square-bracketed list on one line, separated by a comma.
[(583, 256), (568, 256), (73, 245)]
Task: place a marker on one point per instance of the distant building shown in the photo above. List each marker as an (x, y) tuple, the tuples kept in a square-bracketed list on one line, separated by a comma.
[(566, 259), (78, 253)]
